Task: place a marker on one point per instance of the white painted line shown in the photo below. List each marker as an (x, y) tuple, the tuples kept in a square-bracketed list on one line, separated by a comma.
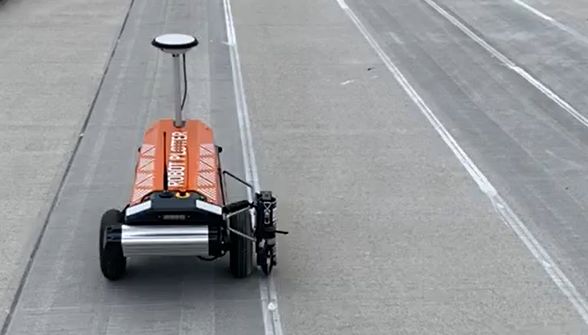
[(267, 290), (510, 64), (241, 103), (552, 21), (534, 10), (503, 209)]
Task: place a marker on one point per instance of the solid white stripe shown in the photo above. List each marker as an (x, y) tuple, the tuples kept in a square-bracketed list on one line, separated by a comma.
[(268, 294), (552, 21), (511, 65), (503, 209), (533, 10)]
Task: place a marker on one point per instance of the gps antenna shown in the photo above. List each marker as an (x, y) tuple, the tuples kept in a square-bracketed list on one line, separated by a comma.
[(177, 45)]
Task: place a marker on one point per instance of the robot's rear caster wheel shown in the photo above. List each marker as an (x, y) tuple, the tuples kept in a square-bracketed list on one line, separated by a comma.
[(266, 259), (241, 252), (112, 261)]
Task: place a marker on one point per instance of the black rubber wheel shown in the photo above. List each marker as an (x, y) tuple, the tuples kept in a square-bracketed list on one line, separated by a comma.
[(112, 261), (241, 253)]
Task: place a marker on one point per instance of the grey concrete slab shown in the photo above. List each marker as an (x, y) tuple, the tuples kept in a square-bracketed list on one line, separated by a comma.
[(64, 291), (53, 55), (303, 12), (101, 14), (330, 43), (389, 233), (555, 56), (570, 14), (530, 148)]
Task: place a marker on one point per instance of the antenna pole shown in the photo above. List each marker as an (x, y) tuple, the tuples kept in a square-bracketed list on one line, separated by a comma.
[(177, 45), (178, 122)]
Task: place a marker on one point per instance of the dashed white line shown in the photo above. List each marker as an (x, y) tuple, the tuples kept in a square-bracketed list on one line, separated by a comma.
[(502, 208), (267, 290)]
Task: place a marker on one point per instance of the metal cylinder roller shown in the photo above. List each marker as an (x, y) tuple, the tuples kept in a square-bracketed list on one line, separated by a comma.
[(165, 240)]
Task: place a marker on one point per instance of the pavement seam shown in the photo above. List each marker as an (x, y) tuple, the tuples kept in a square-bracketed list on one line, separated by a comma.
[(22, 282)]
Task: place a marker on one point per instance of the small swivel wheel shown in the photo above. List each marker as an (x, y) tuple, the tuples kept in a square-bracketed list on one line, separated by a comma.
[(113, 263), (241, 252)]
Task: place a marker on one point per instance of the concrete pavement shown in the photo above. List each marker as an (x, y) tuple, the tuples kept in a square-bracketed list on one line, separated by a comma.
[(389, 232), (65, 291), (53, 56)]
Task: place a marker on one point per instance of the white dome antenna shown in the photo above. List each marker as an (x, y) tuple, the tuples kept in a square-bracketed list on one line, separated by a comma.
[(176, 45)]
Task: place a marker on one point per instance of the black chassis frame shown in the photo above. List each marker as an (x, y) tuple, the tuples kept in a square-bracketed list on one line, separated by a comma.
[(168, 208)]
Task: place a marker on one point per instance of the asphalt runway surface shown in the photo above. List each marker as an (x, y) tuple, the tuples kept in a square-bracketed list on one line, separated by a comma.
[(429, 157)]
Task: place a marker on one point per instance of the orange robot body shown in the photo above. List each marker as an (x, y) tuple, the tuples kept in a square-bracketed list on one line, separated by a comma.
[(185, 158), (177, 205)]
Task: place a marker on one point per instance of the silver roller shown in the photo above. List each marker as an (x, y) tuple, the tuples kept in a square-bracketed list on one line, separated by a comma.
[(165, 240)]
